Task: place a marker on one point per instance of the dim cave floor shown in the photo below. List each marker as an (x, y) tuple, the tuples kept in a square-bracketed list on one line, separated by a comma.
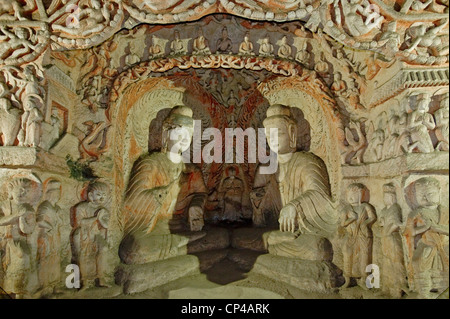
[(226, 254)]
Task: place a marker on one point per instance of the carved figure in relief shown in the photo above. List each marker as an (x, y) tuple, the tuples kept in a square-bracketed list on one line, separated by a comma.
[(376, 140), (231, 191), (157, 48), (154, 182), (131, 57), (15, 44), (32, 118), (420, 36), (95, 142), (12, 10), (49, 222), (302, 179), (303, 56), (354, 151), (321, 66), (178, 46), (418, 125), (389, 253), (17, 223), (285, 50), (224, 44), (415, 5), (91, 19), (357, 220), (90, 222), (339, 86), (265, 48), (246, 47), (360, 17), (427, 231), (442, 130), (9, 118), (391, 40), (201, 44)]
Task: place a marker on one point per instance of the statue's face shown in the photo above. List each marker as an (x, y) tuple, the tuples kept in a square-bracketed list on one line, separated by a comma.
[(54, 195), (279, 137), (428, 196), (97, 197), (180, 139), (389, 199), (20, 193), (354, 196)]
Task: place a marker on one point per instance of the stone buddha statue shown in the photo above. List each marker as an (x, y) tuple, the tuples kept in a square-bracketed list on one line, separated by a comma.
[(153, 193), (154, 183), (302, 178)]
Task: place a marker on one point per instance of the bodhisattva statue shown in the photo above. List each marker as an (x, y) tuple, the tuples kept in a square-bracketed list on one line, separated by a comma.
[(90, 223), (17, 224), (388, 251), (304, 187), (426, 234), (358, 218)]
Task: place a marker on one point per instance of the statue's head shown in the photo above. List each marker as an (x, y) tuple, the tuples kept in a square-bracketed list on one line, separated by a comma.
[(98, 193), (427, 191), (20, 190), (247, 37), (232, 171), (224, 33), (279, 117), (178, 129), (424, 102), (177, 35), (356, 194), (389, 194), (53, 190)]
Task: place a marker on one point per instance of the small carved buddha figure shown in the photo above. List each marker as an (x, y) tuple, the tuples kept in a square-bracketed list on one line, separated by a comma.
[(177, 46), (419, 123), (17, 224), (442, 119), (389, 251), (426, 233), (266, 48), (201, 45), (246, 47), (155, 49), (231, 192), (322, 66), (303, 56), (302, 179), (285, 50), (224, 44), (90, 222), (339, 86), (357, 220)]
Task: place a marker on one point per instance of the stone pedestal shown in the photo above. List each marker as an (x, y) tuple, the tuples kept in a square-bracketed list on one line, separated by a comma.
[(139, 278)]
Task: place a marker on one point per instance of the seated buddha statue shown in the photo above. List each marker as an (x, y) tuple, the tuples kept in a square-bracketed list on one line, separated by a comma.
[(152, 193), (307, 207)]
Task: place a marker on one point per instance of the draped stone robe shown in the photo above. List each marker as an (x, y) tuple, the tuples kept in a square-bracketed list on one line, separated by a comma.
[(152, 191), (304, 183)]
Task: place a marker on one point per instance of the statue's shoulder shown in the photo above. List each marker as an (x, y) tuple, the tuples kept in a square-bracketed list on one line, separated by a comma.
[(307, 156), (151, 160)]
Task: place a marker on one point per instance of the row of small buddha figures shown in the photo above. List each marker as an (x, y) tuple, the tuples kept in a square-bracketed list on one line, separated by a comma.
[(201, 46), (416, 131), (384, 238), (32, 242)]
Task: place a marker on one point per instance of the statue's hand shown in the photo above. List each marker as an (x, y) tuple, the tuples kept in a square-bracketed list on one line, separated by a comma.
[(288, 218)]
